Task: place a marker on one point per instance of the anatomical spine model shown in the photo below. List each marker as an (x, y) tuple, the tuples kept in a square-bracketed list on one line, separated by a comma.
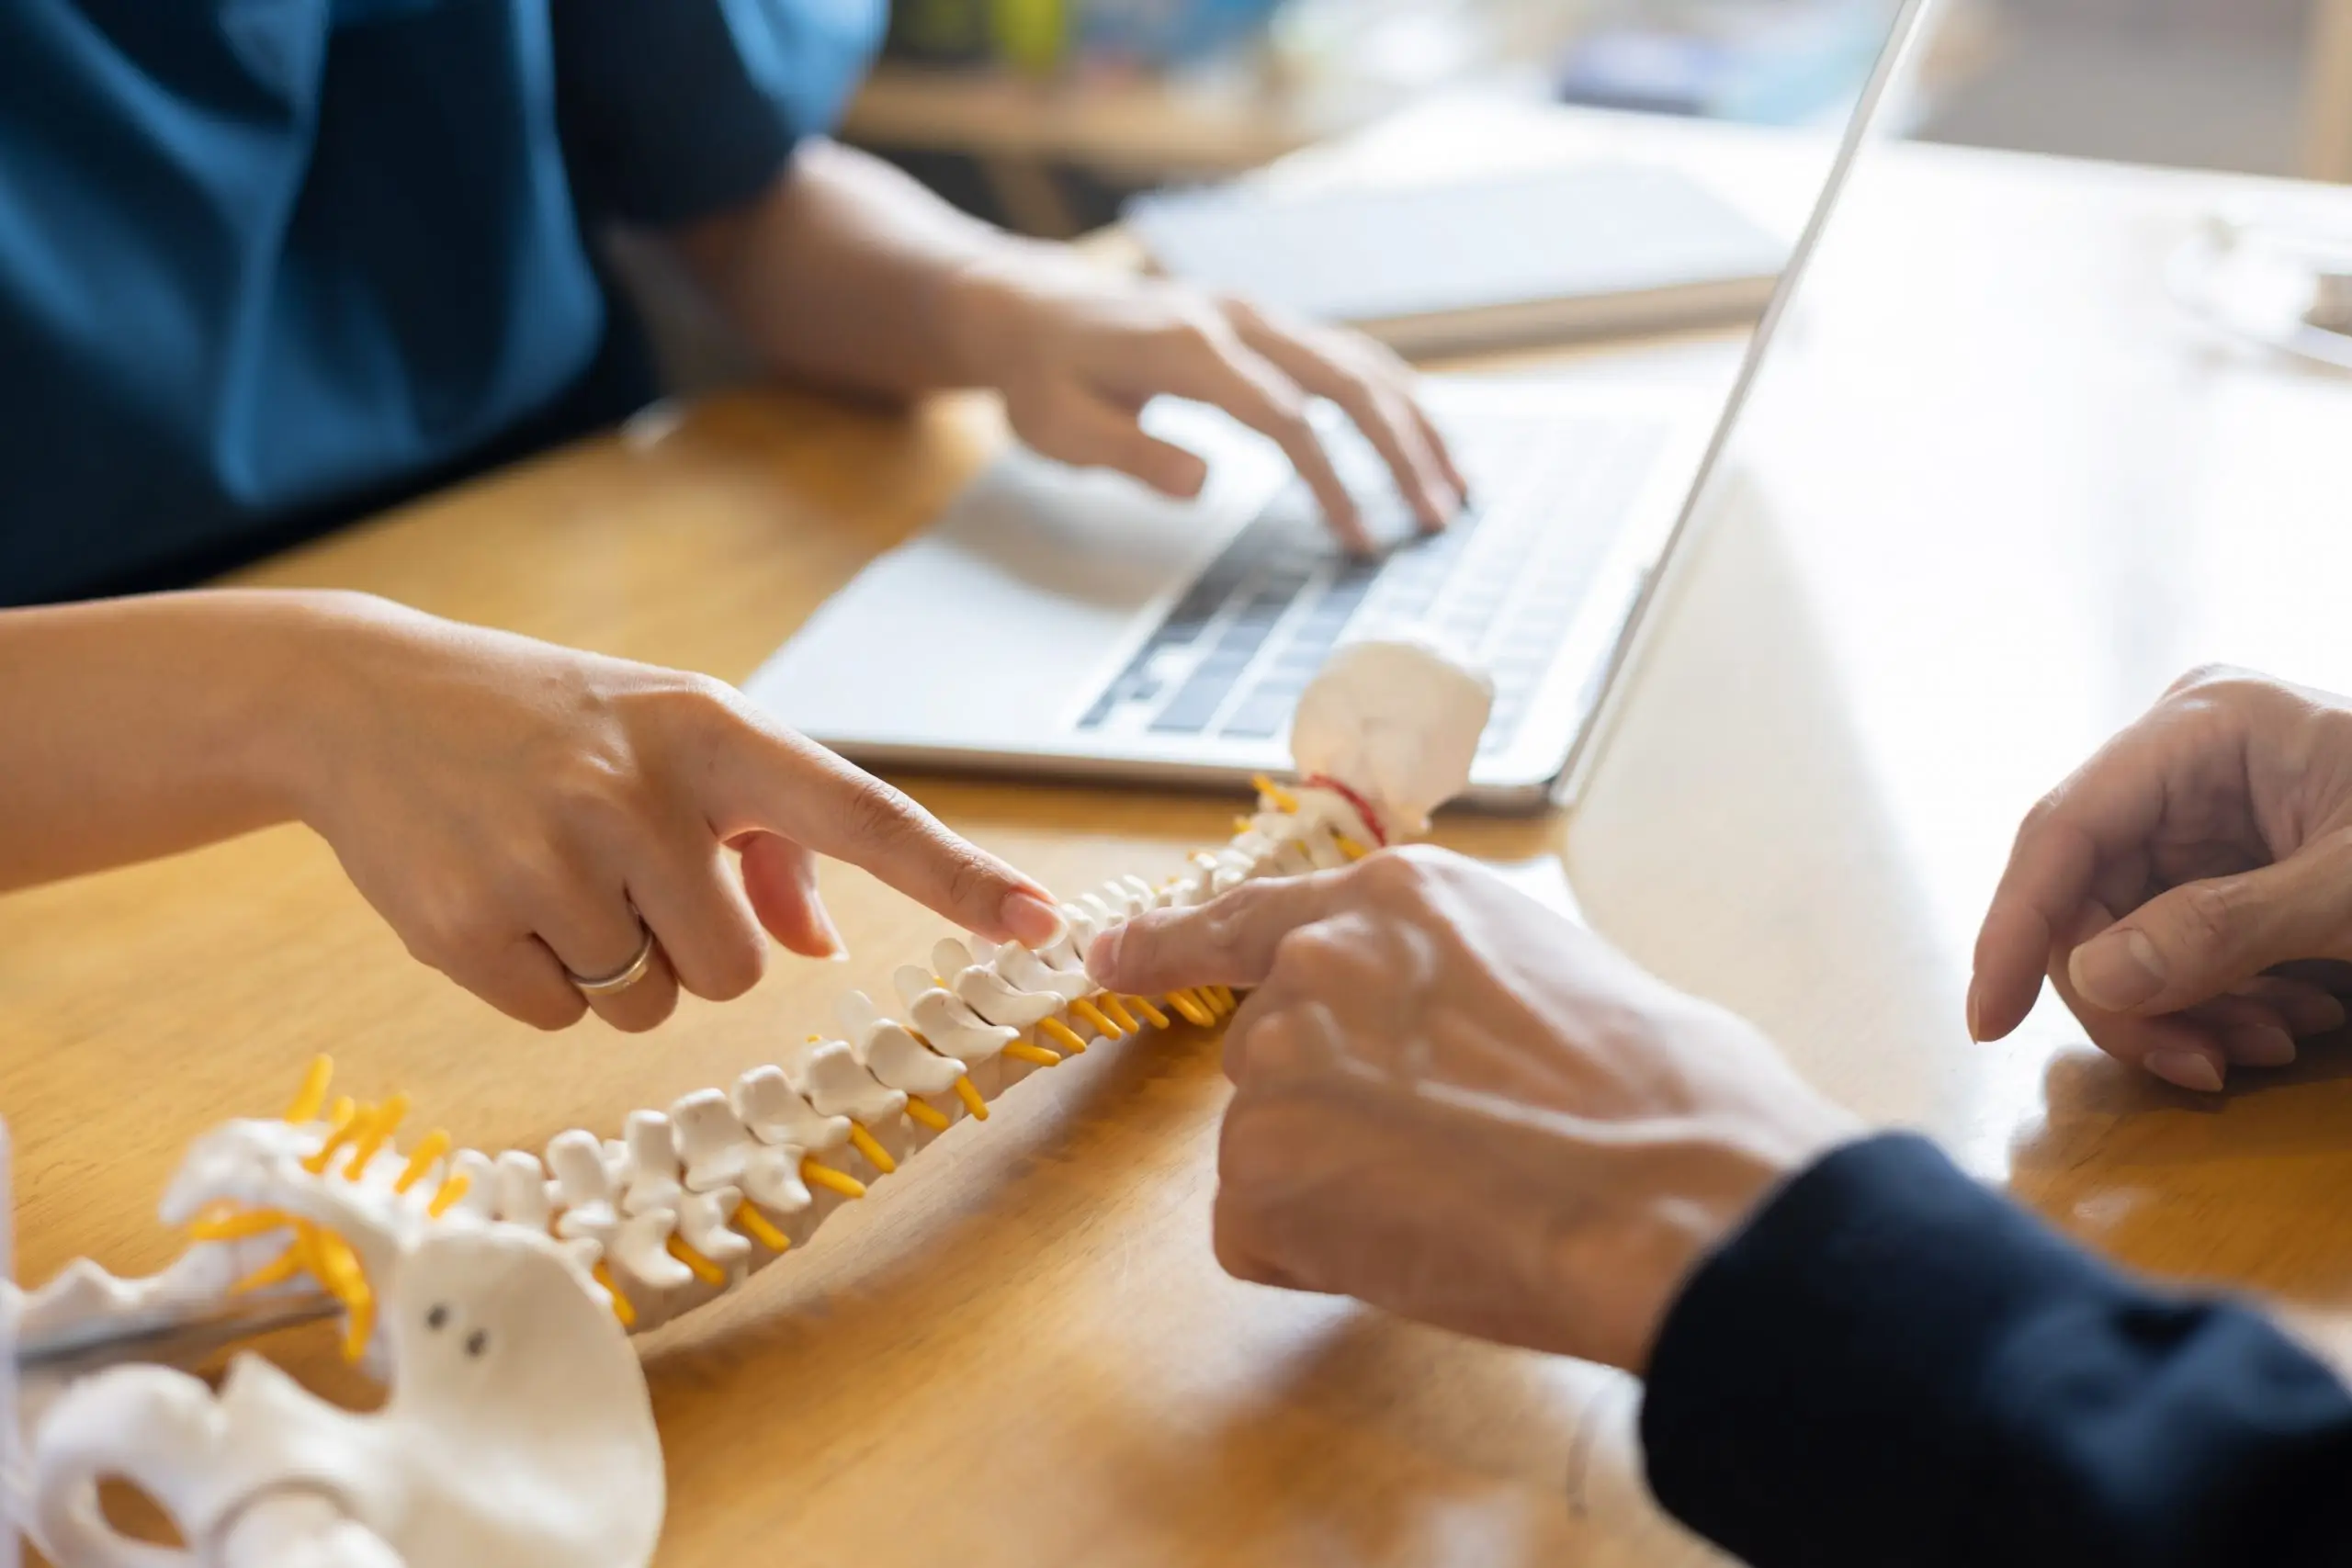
[(494, 1293)]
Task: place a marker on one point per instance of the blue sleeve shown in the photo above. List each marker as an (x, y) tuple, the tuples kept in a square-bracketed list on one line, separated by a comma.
[(675, 109), (1891, 1364)]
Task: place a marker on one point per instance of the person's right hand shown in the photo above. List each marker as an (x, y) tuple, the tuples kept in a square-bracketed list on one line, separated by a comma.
[(2162, 885), (514, 810), (1453, 1103)]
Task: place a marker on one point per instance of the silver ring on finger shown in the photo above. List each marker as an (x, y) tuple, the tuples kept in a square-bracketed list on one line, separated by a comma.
[(622, 978)]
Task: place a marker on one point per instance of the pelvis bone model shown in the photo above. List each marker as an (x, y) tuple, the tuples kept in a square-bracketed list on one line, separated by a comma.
[(494, 1293)]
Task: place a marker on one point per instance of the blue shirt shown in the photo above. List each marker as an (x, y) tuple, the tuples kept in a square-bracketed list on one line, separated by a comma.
[(263, 262)]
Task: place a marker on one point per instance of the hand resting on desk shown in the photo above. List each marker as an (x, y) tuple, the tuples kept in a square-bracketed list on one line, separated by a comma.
[(2162, 885)]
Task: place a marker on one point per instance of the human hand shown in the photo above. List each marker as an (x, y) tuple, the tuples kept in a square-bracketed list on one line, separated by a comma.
[(513, 809), (1079, 350), (1456, 1105), (2164, 883)]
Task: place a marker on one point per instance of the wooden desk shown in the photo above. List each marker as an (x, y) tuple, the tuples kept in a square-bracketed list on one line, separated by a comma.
[(1999, 495), (2327, 92)]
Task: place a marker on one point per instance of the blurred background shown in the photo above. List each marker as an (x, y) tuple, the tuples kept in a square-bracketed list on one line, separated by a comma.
[(1044, 114)]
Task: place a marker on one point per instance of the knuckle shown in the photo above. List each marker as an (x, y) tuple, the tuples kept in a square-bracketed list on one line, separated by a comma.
[(1390, 408), (2219, 692), (1287, 406), (1230, 1238), (1390, 367), (1200, 333), (448, 929), (1226, 924), (1240, 310), (595, 796), (731, 966), (559, 1010), (2206, 918), (648, 1014), (534, 877), (2039, 815), (2203, 675), (680, 707), (973, 883), (1313, 955), (1249, 1155), (705, 700), (1040, 423), (878, 812), (1400, 874)]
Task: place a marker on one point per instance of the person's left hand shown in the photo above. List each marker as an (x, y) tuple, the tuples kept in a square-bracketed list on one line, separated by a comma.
[(1078, 351)]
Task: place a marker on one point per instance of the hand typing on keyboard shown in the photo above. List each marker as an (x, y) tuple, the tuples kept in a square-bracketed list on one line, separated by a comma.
[(1078, 351), (1501, 587)]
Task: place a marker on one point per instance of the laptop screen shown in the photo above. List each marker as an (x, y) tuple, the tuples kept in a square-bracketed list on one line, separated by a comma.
[(1883, 95), (1880, 104)]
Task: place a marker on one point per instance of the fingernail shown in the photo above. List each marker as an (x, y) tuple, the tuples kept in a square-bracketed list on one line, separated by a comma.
[(1029, 918), (836, 949), (2185, 1069), (2259, 1045), (1102, 958), (2118, 971), (1975, 1030)]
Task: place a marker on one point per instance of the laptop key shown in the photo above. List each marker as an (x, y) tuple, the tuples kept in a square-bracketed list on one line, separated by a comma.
[(1262, 716), (1194, 704)]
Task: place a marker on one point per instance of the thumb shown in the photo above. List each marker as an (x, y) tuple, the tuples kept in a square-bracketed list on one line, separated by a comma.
[(2191, 943), (1229, 940)]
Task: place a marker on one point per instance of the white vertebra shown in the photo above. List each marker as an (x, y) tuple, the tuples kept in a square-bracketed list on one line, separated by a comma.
[(764, 1100), (522, 1190), (826, 1073), (653, 1164)]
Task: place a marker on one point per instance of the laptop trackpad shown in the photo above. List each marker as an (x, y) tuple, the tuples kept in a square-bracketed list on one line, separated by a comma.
[(1090, 535), (1009, 614)]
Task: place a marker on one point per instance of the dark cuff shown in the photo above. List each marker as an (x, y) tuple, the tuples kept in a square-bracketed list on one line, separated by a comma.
[(677, 109), (1818, 1392)]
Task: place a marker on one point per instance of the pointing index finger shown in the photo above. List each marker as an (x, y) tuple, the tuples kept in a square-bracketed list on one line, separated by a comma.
[(783, 783)]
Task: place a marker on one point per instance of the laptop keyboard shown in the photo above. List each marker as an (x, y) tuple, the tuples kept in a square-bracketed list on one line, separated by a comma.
[(1502, 584)]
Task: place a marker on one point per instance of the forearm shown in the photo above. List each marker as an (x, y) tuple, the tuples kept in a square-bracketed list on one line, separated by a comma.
[(137, 727), (1893, 1365), (842, 274)]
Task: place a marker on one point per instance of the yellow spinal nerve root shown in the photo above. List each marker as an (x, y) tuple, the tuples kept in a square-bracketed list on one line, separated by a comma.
[(1095, 1019), (969, 1093), (841, 1181), (751, 1222), (870, 1147)]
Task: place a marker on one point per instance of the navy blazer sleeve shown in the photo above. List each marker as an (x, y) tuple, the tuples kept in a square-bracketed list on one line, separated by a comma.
[(1893, 1365)]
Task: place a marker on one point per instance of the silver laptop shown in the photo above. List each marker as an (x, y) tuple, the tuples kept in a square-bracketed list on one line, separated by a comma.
[(1055, 621)]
